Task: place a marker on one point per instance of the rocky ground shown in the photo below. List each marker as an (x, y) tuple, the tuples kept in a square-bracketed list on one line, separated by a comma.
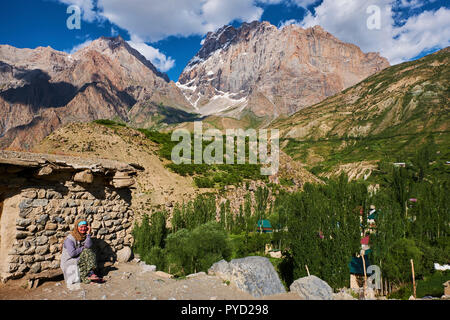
[(132, 281)]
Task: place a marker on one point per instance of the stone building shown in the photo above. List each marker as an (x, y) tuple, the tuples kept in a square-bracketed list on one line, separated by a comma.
[(42, 195)]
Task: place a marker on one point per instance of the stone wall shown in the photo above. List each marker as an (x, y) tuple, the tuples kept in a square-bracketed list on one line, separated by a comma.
[(44, 216), (38, 213)]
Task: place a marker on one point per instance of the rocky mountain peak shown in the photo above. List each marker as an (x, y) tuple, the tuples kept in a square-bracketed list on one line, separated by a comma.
[(114, 46), (114, 42), (224, 37), (271, 72), (42, 89)]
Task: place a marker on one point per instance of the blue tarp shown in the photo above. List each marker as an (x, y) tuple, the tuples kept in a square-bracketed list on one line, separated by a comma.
[(356, 264), (266, 226)]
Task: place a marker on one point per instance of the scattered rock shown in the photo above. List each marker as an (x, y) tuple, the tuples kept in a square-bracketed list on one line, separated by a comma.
[(147, 268), (126, 275), (370, 294), (193, 275), (163, 274), (343, 295)]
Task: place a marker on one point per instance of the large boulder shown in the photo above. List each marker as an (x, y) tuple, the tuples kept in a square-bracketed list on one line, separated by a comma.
[(255, 275), (124, 254), (312, 288)]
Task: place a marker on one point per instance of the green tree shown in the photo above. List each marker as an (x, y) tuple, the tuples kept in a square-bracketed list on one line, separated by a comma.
[(397, 264), (196, 250)]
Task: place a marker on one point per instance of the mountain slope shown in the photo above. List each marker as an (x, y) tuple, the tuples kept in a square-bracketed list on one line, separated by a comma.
[(260, 69), (158, 185), (42, 89), (386, 116)]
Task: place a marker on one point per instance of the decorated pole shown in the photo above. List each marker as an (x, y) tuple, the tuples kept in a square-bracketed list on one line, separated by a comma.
[(365, 274), (413, 277)]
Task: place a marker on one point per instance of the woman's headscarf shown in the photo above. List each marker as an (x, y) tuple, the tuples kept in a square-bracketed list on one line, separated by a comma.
[(75, 233)]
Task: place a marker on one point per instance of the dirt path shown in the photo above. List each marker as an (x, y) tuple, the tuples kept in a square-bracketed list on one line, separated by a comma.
[(129, 281)]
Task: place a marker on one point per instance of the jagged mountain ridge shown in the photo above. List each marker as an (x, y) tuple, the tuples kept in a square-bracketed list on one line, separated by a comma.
[(256, 71), (271, 72), (387, 116), (42, 89)]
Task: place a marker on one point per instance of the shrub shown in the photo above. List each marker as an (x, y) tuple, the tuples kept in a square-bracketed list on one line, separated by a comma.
[(157, 257), (203, 182), (403, 293), (108, 122), (432, 285)]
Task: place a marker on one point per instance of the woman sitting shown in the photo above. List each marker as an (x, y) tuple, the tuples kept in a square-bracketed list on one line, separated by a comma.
[(78, 260)]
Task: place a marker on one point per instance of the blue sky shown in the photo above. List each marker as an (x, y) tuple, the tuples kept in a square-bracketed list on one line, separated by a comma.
[(169, 32)]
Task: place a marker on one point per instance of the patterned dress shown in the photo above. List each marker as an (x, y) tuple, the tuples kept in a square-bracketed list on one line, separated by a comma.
[(86, 263), (77, 260)]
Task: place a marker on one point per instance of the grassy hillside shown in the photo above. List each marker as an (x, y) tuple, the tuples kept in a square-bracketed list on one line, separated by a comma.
[(385, 117)]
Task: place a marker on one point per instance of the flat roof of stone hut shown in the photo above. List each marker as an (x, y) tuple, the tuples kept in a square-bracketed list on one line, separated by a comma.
[(46, 164)]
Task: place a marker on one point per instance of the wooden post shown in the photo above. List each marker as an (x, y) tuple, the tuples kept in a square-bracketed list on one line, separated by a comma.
[(406, 208), (365, 274), (413, 277), (381, 281), (381, 285), (386, 289), (307, 270)]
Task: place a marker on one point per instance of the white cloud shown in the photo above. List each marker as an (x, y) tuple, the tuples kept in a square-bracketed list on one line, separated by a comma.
[(269, 1), (420, 33), (159, 60), (288, 23), (412, 4), (299, 3), (347, 20), (304, 3), (153, 20)]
